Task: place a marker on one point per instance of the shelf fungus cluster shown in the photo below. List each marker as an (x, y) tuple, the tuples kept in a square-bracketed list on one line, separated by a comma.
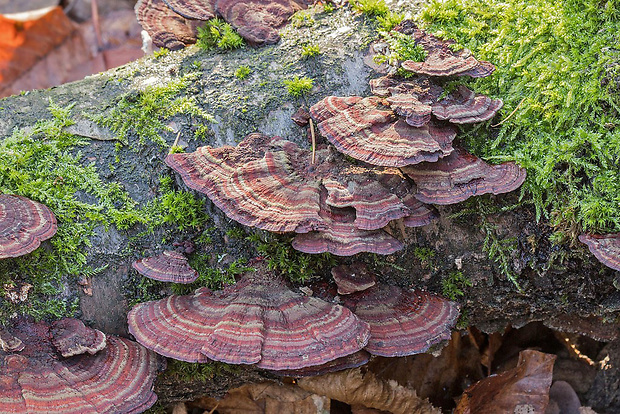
[(173, 23), (24, 224), (261, 321), (605, 247), (335, 206), (169, 266), (69, 368)]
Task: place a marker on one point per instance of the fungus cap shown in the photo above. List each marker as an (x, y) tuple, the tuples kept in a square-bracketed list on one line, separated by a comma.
[(258, 21), (354, 360), (258, 321), (353, 278), (605, 247), (193, 9), (463, 106), (372, 133), (462, 175), (24, 224), (441, 59), (403, 322), (71, 337), (166, 28), (37, 380), (169, 266)]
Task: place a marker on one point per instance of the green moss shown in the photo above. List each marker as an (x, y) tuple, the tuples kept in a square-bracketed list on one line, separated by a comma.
[(144, 113), (389, 21), (217, 34), (557, 70), (425, 255), (242, 72), (188, 371), (43, 163), (161, 52), (308, 51), (371, 8), (297, 86), (281, 256), (453, 285), (302, 18)]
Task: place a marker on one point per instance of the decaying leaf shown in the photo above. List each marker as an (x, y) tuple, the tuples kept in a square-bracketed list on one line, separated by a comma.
[(361, 387), (523, 389), (266, 398)]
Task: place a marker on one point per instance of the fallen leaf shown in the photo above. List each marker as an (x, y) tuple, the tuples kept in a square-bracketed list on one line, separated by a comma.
[(361, 387), (523, 389)]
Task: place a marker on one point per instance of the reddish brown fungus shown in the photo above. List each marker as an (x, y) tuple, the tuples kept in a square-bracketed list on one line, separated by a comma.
[(169, 266), (270, 183), (462, 175), (353, 278), (605, 247), (36, 379), (23, 225), (257, 321), (442, 59), (354, 360), (166, 28), (301, 117), (193, 9), (71, 337), (258, 21), (371, 132), (403, 322), (464, 106)]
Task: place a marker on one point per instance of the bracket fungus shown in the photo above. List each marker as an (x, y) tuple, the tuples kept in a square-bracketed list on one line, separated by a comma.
[(24, 224), (402, 322), (193, 9), (258, 21), (271, 184), (461, 175), (169, 266), (371, 132), (353, 278), (464, 106), (36, 379), (258, 321), (354, 360), (71, 337), (441, 59), (166, 28), (605, 247)]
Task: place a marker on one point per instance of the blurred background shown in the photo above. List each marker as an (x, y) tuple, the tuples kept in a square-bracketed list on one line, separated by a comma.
[(44, 43)]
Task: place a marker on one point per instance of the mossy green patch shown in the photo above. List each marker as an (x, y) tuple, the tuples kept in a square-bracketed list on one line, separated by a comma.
[(454, 284), (297, 86), (144, 112), (217, 34), (42, 163), (558, 70)]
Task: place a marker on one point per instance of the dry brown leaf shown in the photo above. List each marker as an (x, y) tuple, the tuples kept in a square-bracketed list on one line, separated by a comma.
[(266, 398), (361, 387), (523, 389)]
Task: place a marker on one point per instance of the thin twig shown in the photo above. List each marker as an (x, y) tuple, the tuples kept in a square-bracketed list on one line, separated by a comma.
[(95, 16), (214, 408), (313, 140), (176, 141), (508, 117)]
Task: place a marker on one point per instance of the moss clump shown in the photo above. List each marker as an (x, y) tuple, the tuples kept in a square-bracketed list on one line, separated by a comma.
[(453, 285), (558, 69), (143, 113), (242, 72), (42, 163), (308, 51), (371, 8), (281, 256), (297, 86), (217, 34)]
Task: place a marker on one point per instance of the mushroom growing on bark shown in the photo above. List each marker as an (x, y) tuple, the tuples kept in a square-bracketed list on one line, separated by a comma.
[(461, 175), (169, 266), (354, 360), (71, 337), (272, 184), (353, 278), (24, 224), (36, 379), (371, 132), (258, 321), (166, 28), (193, 9), (441, 59), (464, 106), (605, 247), (402, 322)]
